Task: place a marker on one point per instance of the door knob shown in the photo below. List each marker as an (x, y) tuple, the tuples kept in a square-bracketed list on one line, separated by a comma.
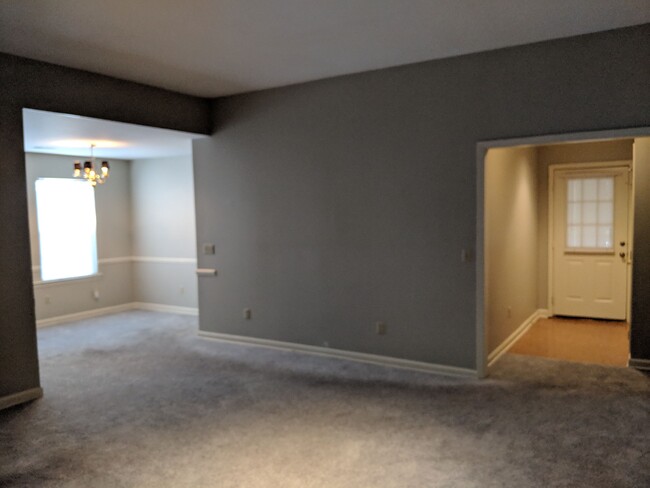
[(622, 243), (622, 254)]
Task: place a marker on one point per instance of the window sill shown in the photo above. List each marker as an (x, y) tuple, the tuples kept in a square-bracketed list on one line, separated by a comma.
[(589, 250), (69, 281)]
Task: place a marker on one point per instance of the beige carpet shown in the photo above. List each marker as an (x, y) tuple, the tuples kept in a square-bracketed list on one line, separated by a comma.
[(137, 400)]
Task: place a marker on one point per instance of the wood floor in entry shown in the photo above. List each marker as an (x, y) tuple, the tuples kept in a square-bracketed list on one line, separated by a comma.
[(581, 340)]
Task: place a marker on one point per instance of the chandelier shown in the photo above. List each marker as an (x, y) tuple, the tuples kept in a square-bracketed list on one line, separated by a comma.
[(89, 173)]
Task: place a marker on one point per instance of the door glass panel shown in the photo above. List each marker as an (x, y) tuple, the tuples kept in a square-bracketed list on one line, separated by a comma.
[(589, 236), (606, 189), (574, 214), (590, 213), (589, 189), (605, 213), (605, 236)]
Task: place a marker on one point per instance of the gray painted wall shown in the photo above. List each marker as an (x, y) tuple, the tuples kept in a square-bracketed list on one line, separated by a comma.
[(338, 203), (44, 86), (373, 165), (510, 240), (164, 231), (113, 210)]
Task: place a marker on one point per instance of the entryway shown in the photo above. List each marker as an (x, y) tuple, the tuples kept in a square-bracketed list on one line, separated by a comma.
[(557, 248)]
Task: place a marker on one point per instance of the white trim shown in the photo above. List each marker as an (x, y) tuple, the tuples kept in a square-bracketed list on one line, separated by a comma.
[(159, 307), (481, 267), (67, 281), (124, 307), (630, 229), (117, 260), (136, 259), (100, 262), (86, 314), (338, 353), (587, 136), (643, 364), (20, 397), (153, 259), (502, 348)]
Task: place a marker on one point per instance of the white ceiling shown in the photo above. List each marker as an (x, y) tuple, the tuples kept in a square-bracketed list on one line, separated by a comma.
[(217, 47), (72, 135)]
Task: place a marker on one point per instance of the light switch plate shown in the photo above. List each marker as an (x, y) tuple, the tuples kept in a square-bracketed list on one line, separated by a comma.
[(208, 248)]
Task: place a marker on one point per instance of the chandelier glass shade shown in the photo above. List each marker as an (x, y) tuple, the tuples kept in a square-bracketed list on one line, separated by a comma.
[(89, 172)]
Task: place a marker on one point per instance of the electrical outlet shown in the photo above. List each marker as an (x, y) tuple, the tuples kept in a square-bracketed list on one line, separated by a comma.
[(182, 290), (48, 300), (381, 328), (248, 314), (96, 294), (509, 312)]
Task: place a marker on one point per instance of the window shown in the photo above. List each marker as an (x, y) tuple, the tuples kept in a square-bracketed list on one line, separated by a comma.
[(65, 213), (590, 213)]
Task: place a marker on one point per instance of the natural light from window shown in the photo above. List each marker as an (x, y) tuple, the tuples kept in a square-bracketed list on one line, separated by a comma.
[(590, 213), (65, 212)]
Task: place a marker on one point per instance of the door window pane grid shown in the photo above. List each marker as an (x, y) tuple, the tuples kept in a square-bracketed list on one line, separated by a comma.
[(590, 213)]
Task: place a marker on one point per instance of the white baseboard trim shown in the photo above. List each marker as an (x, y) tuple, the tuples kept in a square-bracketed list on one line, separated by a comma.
[(643, 364), (86, 314), (338, 353), (159, 307), (20, 397), (502, 348), (97, 312)]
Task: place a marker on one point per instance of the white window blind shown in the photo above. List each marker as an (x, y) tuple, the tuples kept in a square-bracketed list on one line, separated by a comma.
[(67, 225)]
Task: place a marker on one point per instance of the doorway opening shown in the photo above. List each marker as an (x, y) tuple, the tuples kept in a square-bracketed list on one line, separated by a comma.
[(139, 239), (555, 247)]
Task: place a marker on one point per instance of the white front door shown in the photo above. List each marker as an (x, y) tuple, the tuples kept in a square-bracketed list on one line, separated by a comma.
[(590, 248)]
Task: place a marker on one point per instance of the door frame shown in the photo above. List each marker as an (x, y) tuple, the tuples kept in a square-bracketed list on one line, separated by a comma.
[(482, 147), (596, 165)]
